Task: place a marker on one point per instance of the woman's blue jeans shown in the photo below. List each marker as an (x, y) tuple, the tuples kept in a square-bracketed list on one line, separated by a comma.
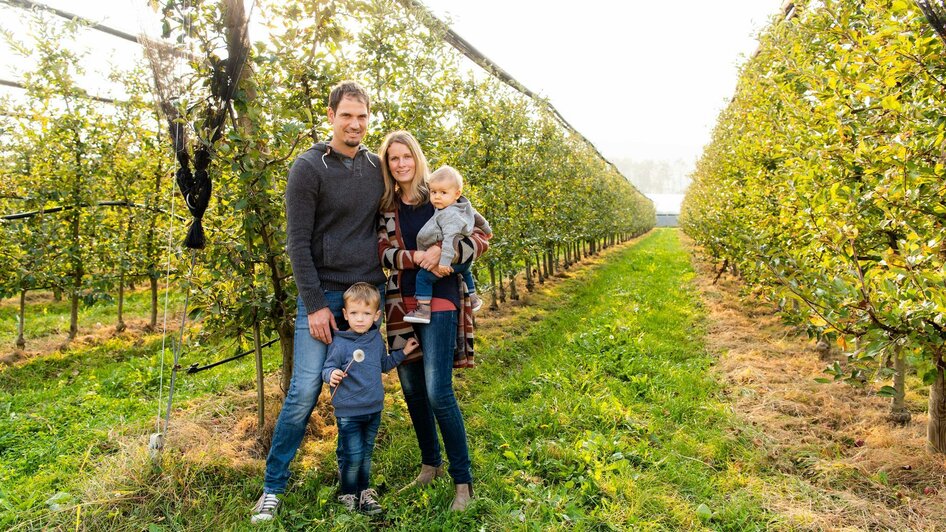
[(356, 435), (428, 392), (308, 357)]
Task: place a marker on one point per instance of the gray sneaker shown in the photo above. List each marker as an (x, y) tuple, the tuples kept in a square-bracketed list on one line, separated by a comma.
[(419, 315), (349, 501), (368, 502), (476, 302), (265, 508)]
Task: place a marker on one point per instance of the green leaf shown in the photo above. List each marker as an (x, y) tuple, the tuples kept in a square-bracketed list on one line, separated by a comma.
[(887, 391), (703, 512)]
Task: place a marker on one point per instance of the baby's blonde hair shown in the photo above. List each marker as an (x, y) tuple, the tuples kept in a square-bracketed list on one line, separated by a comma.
[(445, 173), (363, 293)]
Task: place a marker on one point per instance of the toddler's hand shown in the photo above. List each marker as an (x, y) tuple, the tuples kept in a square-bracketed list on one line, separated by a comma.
[(337, 376), (444, 270), (411, 346)]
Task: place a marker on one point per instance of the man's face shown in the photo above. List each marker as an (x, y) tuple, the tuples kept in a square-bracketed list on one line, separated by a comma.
[(349, 121)]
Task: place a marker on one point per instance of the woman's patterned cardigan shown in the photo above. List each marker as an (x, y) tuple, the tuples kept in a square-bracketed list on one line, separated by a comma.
[(395, 258)]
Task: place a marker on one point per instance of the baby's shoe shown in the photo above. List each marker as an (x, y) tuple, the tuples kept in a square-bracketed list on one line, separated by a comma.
[(419, 315), (476, 302)]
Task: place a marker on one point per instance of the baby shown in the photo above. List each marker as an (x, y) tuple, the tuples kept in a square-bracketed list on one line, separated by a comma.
[(454, 219)]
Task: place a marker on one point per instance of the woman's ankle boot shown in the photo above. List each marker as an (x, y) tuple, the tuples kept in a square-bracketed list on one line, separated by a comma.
[(428, 474), (463, 497)]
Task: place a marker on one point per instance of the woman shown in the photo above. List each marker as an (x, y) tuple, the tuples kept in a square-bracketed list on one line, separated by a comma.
[(447, 341)]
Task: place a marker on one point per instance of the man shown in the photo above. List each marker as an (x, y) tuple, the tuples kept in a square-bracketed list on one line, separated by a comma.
[(332, 198)]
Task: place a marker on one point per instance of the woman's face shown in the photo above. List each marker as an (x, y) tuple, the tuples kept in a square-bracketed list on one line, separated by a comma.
[(401, 164)]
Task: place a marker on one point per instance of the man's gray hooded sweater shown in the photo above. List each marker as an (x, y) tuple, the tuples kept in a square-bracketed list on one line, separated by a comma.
[(331, 217), (361, 392)]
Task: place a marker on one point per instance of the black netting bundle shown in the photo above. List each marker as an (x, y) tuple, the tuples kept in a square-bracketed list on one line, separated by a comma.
[(195, 187)]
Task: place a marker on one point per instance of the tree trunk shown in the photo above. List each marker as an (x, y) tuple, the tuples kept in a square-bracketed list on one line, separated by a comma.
[(530, 285), (568, 256), (513, 293), (120, 326), (286, 342), (538, 268), (153, 324), (74, 311), (20, 341), (57, 294), (76, 280), (494, 305), (502, 286), (122, 267), (899, 413), (260, 401), (936, 428)]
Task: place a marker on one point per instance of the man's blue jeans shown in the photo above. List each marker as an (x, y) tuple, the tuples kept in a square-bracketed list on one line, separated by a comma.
[(308, 357), (356, 435), (428, 392)]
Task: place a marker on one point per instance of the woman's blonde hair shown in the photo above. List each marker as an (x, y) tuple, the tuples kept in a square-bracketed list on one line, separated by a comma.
[(417, 190)]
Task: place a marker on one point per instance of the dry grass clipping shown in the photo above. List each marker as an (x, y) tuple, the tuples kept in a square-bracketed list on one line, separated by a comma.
[(840, 464)]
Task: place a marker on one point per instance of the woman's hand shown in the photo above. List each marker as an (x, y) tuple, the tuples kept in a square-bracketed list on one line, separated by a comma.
[(431, 259)]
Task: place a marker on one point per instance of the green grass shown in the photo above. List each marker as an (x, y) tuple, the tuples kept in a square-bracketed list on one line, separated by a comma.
[(44, 318), (602, 415)]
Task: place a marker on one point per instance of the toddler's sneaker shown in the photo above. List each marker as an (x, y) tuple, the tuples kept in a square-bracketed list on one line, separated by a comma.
[(419, 315), (476, 302), (265, 508), (368, 502), (349, 501)]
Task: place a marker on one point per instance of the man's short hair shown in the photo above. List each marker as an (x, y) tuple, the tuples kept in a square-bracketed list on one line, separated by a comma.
[(363, 293), (348, 89), (446, 173)]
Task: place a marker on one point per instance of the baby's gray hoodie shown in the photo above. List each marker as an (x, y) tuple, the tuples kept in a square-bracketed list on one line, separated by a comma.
[(449, 224)]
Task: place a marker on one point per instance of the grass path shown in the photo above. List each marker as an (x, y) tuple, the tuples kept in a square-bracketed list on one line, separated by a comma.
[(595, 408)]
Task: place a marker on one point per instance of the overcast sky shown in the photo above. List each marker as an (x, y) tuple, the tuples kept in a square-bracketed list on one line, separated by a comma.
[(640, 79)]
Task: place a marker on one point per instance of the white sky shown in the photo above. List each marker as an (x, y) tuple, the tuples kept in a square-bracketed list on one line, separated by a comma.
[(640, 79)]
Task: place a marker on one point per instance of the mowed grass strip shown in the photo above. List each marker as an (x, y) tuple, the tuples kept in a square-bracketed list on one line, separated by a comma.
[(607, 414), (603, 414)]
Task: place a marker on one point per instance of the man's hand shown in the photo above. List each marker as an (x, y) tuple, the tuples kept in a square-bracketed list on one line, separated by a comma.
[(321, 325), (411, 346), (336, 377)]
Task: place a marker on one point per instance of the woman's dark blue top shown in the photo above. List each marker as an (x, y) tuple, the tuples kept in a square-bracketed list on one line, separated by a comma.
[(411, 218)]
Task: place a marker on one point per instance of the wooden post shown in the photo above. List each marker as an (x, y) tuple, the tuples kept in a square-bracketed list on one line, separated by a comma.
[(260, 396), (20, 341)]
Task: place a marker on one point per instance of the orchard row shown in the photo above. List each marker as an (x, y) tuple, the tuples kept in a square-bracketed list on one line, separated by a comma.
[(547, 193), (824, 186)]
